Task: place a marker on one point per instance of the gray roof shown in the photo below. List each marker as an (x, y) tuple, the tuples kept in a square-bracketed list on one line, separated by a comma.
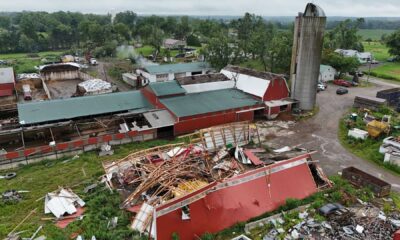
[(166, 88), (159, 119), (66, 109), (7, 75), (208, 102), (177, 68)]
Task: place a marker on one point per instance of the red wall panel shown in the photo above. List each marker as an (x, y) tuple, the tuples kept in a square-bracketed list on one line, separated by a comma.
[(277, 90)]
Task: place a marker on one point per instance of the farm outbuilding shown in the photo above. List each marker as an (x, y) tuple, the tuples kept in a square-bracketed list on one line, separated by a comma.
[(326, 73), (169, 72), (60, 71), (7, 82)]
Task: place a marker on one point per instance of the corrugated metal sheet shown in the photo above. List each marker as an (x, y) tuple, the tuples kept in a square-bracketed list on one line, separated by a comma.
[(208, 102), (166, 88), (63, 109), (210, 86), (158, 119), (6, 75), (249, 84), (177, 68)]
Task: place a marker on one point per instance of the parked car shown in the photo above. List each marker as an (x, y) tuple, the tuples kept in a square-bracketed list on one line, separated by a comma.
[(394, 59), (341, 91), (341, 82), (359, 73), (323, 83), (93, 61), (330, 208), (374, 62), (320, 87)]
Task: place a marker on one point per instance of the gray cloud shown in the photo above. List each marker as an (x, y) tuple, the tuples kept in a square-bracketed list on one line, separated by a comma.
[(365, 8)]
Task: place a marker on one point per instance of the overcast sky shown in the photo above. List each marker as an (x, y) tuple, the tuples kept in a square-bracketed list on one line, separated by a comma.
[(357, 8)]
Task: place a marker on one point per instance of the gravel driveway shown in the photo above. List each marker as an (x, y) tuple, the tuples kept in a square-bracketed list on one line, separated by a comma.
[(320, 133)]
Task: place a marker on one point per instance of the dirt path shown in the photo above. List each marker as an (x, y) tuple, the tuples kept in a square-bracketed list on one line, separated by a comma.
[(320, 133), (102, 70)]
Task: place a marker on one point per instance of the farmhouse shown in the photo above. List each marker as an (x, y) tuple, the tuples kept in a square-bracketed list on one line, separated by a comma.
[(169, 72), (326, 73), (363, 57), (170, 43)]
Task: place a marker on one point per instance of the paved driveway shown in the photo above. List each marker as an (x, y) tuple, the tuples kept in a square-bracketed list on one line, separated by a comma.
[(320, 133)]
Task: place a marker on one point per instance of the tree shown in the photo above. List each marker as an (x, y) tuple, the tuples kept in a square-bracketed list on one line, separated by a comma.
[(122, 32), (220, 52), (128, 18), (340, 63), (183, 29), (345, 36), (193, 40), (393, 43)]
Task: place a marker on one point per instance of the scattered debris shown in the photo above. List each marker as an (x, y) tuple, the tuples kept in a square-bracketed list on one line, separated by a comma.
[(12, 196), (241, 237), (61, 202), (105, 150), (90, 188), (358, 133)]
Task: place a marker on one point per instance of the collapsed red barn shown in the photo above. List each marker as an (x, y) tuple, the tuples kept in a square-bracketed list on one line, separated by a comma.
[(193, 189), (222, 204)]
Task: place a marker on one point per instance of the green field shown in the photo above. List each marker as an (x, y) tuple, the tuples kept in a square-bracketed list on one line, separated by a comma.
[(374, 34), (379, 50), (46, 176), (389, 71), (25, 62)]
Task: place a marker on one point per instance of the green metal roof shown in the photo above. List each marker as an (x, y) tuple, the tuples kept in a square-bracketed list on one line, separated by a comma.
[(323, 68), (177, 68), (166, 88), (208, 102), (65, 109)]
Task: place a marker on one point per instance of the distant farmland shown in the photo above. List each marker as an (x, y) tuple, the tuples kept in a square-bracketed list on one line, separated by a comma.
[(374, 34)]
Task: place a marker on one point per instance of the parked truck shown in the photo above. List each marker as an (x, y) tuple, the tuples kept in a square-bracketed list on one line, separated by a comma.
[(362, 179)]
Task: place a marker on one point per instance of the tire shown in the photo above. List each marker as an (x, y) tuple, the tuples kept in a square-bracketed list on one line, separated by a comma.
[(11, 175)]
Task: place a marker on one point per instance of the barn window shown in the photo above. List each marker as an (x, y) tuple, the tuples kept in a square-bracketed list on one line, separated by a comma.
[(185, 212)]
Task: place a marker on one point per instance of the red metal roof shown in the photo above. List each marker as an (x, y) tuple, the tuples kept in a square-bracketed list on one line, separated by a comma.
[(221, 205)]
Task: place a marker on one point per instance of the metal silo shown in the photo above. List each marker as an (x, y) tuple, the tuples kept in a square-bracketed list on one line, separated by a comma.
[(306, 55)]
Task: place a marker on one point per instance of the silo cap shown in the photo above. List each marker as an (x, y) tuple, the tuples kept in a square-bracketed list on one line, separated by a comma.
[(313, 10)]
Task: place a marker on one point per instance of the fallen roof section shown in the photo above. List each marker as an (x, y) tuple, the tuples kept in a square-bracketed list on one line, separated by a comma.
[(168, 88), (66, 109), (204, 78), (178, 68), (208, 102)]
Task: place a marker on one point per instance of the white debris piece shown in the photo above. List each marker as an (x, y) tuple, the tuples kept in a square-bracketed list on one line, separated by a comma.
[(358, 133), (61, 202), (95, 86), (142, 220), (360, 229), (282, 150), (28, 76)]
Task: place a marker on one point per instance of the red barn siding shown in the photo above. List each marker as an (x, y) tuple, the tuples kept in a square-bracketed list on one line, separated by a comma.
[(6, 89), (193, 123), (222, 208), (277, 89)]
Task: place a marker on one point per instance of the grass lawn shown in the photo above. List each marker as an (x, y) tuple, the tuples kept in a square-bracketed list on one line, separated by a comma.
[(374, 34), (41, 178), (379, 50), (23, 63), (389, 71)]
